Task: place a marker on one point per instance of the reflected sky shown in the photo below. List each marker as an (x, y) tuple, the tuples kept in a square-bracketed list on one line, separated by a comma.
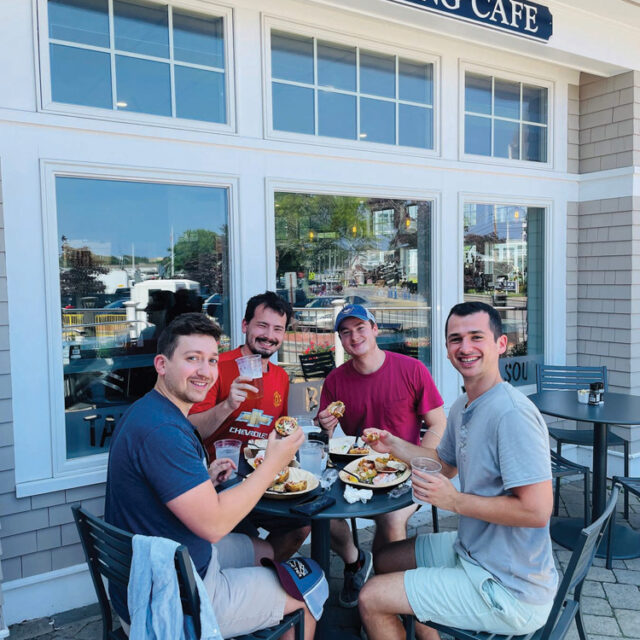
[(110, 217)]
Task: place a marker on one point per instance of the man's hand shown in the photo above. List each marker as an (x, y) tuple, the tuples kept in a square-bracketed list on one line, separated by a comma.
[(221, 470), (328, 422), (238, 391), (435, 489), (280, 451), (378, 439)]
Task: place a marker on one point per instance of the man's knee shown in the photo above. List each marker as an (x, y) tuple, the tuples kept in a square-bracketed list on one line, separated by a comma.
[(261, 549)]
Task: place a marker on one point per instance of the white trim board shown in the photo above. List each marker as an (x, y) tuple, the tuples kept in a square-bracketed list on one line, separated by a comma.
[(47, 593)]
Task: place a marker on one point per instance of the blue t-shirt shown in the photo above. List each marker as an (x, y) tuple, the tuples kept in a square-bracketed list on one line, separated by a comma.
[(499, 442), (155, 456)]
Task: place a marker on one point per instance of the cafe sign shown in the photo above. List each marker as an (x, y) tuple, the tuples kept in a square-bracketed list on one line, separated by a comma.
[(516, 16)]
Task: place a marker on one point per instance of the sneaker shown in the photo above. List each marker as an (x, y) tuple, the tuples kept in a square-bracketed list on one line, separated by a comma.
[(353, 582)]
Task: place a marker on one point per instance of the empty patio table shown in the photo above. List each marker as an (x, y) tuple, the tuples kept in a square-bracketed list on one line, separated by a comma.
[(618, 408)]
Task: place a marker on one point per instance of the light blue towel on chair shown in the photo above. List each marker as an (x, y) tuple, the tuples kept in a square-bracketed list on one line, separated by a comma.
[(153, 595)]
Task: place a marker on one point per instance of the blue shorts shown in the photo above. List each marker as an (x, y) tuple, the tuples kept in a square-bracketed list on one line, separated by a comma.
[(449, 590)]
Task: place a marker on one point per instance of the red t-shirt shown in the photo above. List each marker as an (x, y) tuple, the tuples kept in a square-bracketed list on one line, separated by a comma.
[(255, 417), (395, 397)]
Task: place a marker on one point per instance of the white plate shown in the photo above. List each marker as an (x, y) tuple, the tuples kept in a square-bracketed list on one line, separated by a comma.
[(339, 447), (295, 475), (348, 474)]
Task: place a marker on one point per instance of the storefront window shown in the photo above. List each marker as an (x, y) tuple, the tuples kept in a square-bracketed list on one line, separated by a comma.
[(138, 56), (370, 251), (505, 119), (132, 256), (327, 89), (504, 267)]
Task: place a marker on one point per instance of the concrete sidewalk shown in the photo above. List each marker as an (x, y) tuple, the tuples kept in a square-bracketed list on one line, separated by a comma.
[(610, 600)]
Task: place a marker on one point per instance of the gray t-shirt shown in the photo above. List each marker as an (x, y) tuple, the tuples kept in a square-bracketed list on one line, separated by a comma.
[(499, 442)]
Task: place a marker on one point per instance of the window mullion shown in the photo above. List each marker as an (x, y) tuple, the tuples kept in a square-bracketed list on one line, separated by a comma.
[(172, 74), (112, 57), (397, 98), (358, 132), (315, 87), (493, 98)]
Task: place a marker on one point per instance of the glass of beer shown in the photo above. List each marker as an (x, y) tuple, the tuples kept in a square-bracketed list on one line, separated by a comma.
[(251, 367)]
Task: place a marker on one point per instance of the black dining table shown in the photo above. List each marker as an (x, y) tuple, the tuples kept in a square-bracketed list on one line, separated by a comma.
[(381, 502), (618, 408)]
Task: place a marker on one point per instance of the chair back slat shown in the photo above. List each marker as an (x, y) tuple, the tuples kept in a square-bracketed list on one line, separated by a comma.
[(561, 378), (317, 365), (109, 551), (577, 569)]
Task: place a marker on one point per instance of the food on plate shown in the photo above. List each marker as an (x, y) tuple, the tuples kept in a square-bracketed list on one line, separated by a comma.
[(292, 486), (366, 470), (286, 425), (385, 464), (373, 436), (359, 451), (283, 476), (336, 409)]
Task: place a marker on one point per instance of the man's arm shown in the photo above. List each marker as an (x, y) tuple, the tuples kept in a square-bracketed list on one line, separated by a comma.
[(212, 516), (389, 443), (436, 422), (527, 506), (209, 421)]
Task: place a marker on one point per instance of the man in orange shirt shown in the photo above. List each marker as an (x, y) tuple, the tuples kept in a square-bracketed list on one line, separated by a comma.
[(228, 412)]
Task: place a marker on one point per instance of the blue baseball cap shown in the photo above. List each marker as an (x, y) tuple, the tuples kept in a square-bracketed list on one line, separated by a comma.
[(354, 311), (302, 579)]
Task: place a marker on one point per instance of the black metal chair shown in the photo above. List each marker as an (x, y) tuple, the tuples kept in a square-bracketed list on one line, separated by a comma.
[(561, 378), (566, 604), (562, 468), (317, 365), (108, 551), (628, 484)]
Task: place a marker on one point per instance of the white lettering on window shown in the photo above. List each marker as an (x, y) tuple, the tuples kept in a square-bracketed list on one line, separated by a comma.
[(531, 15)]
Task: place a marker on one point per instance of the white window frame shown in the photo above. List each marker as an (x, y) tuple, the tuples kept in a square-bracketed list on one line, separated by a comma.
[(270, 23), (438, 248), (503, 74), (47, 105), (45, 468), (554, 337)]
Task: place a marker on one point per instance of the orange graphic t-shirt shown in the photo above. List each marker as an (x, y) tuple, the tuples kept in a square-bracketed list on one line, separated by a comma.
[(255, 417)]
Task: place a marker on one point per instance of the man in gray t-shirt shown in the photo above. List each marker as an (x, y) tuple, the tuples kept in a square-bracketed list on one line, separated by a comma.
[(496, 573)]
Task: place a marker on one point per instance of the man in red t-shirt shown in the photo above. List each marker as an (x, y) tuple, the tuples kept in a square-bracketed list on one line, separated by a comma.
[(379, 389), (227, 412)]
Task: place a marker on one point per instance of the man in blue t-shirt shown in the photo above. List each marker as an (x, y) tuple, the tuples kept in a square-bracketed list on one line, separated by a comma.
[(496, 573), (158, 484)]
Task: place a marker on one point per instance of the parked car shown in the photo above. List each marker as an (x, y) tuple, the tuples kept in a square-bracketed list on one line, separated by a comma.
[(320, 314)]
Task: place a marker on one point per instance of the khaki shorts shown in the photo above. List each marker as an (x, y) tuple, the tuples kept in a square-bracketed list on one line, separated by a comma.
[(245, 598)]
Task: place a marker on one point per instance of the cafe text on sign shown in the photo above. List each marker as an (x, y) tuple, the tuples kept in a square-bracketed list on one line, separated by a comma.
[(517, 16)]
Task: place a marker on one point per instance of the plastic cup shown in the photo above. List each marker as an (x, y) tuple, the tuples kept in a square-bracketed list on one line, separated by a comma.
[(310, 456), (228, 449), (426, 465), (251, 367)]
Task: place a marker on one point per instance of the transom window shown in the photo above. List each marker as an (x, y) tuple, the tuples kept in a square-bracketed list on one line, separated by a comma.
[(328, 89), (505, 119), (140, 57)]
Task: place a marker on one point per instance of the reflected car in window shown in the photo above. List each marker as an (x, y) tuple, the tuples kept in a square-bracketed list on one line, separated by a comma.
[(319, 312)]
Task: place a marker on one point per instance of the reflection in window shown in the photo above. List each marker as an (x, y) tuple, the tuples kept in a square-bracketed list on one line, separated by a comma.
[(370, 251), (390, 98), (166, 61), (505, 119), (504, 267), (132, 256)]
